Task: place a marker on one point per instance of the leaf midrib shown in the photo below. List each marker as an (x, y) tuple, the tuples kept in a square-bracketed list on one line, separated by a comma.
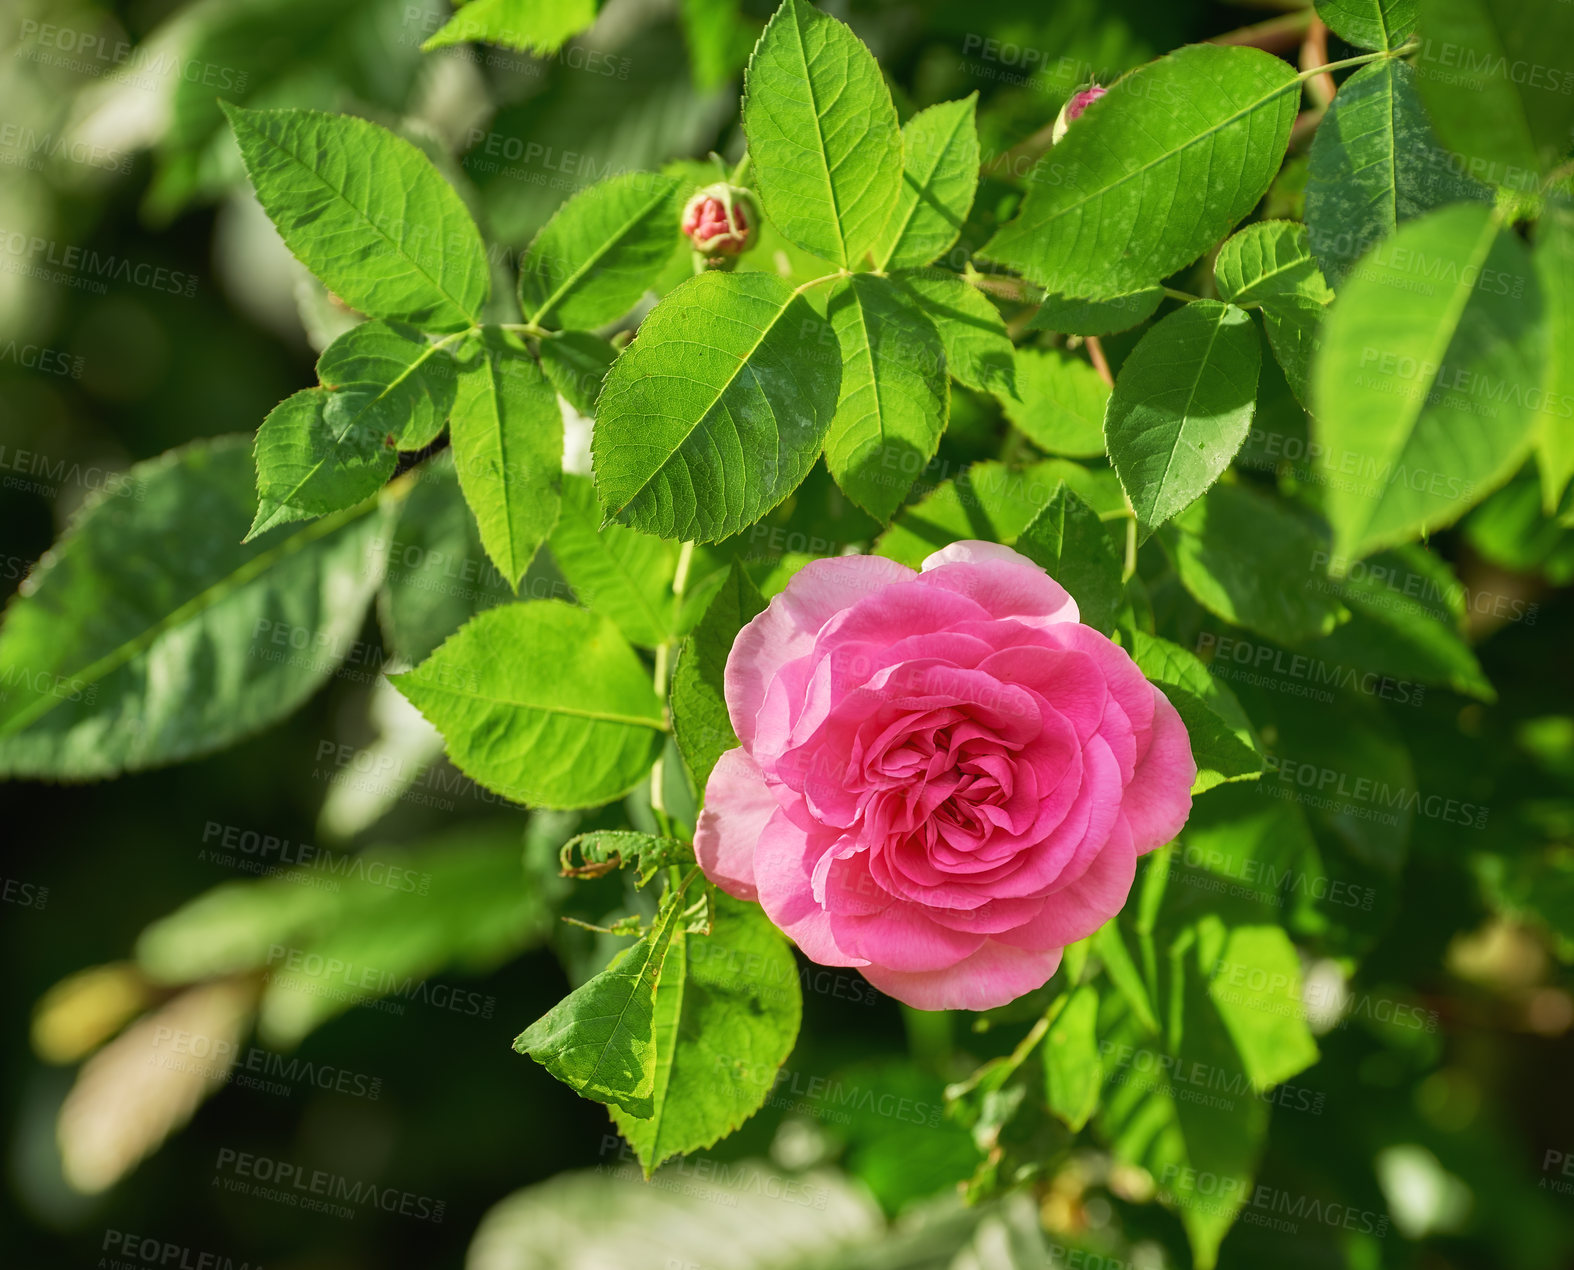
[(572, 712), (1191, 397), (819, 132), (928, 182), (204, 600), (595, 257)]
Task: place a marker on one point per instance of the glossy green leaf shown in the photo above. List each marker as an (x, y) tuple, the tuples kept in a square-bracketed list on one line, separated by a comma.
[(1424, 389), (728, 1006), (978, 351), (439, 575), (401, 383), (1097, 317), (1554, 260), (1256, 987), (894, 398), (1059, 402), (1497, 80), (717, 410), (1181, 408), (543, 703), (824, 144), (1268, 589), (1270, 264), (1069, 541), (595, 258), (507, 435), (601, 1040), (1374, 164), (699, 706), (616, 571), (1155, 172), (939, 177), (313, 458), (1370, 24), (1222, 740), (527, 25), (151, 634), (367, 213), (576, 362), (989, 501), (1072, 1070)]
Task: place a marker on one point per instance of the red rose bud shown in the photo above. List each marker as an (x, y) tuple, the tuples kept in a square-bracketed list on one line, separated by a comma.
[(1072, 110), (721, 220)]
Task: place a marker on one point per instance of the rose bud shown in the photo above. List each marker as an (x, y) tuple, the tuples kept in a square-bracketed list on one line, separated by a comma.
[(1072, 110), (721, 220)]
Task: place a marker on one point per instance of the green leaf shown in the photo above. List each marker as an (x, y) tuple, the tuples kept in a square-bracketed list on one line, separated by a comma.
[(529, 26), (717, 410), (313, 459), (1256, 987), (1222, 740), (618, 572), (1172, 433), (1554, 260), (593, 260), (1123, 973), (507, 435), (939, 177), (1270, 264), (1370, 24), (151, 634), (728, 1007), (1496, 80), (894, 398), (823, 137), (438, 575), (1374, 164), (367, 213), (1264, 589), (600, 1040), (402, 384), (604, 850), (992, 502), (1069, 541), (543, 703), (1096, 317), (1072, 1070), (1421, 390), (1059, 402), (699, 706), (1155, 172), (576, 362), (978, 351)]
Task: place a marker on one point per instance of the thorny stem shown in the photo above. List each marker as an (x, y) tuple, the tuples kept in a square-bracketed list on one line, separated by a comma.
[(1100, 362), (658, 798), (1275, 35)]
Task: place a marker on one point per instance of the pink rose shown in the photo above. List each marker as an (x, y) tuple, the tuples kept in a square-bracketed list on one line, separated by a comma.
[(719, 220), (944, 778), (1072, 110)]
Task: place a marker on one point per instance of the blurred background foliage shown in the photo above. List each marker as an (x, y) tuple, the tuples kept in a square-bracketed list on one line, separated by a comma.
[(1453, 1134)]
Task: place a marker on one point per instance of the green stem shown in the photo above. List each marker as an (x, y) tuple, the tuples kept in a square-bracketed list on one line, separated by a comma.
[(659, 677), (741, 171), (1363, 60)]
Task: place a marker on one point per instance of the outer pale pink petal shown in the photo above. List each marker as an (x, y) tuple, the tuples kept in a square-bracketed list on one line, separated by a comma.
[(1075, 911), (1004, 583), (737, 806), (994, 975), (904, 938), (786, 630), (783, 874), (1158, 800)]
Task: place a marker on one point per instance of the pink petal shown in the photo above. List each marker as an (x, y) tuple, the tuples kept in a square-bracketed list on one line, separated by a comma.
[(903, 938), (784, 863), (1003, 582), (786, 630), (1158, 800), (1082, 907), (993, 976), (737, 806)]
